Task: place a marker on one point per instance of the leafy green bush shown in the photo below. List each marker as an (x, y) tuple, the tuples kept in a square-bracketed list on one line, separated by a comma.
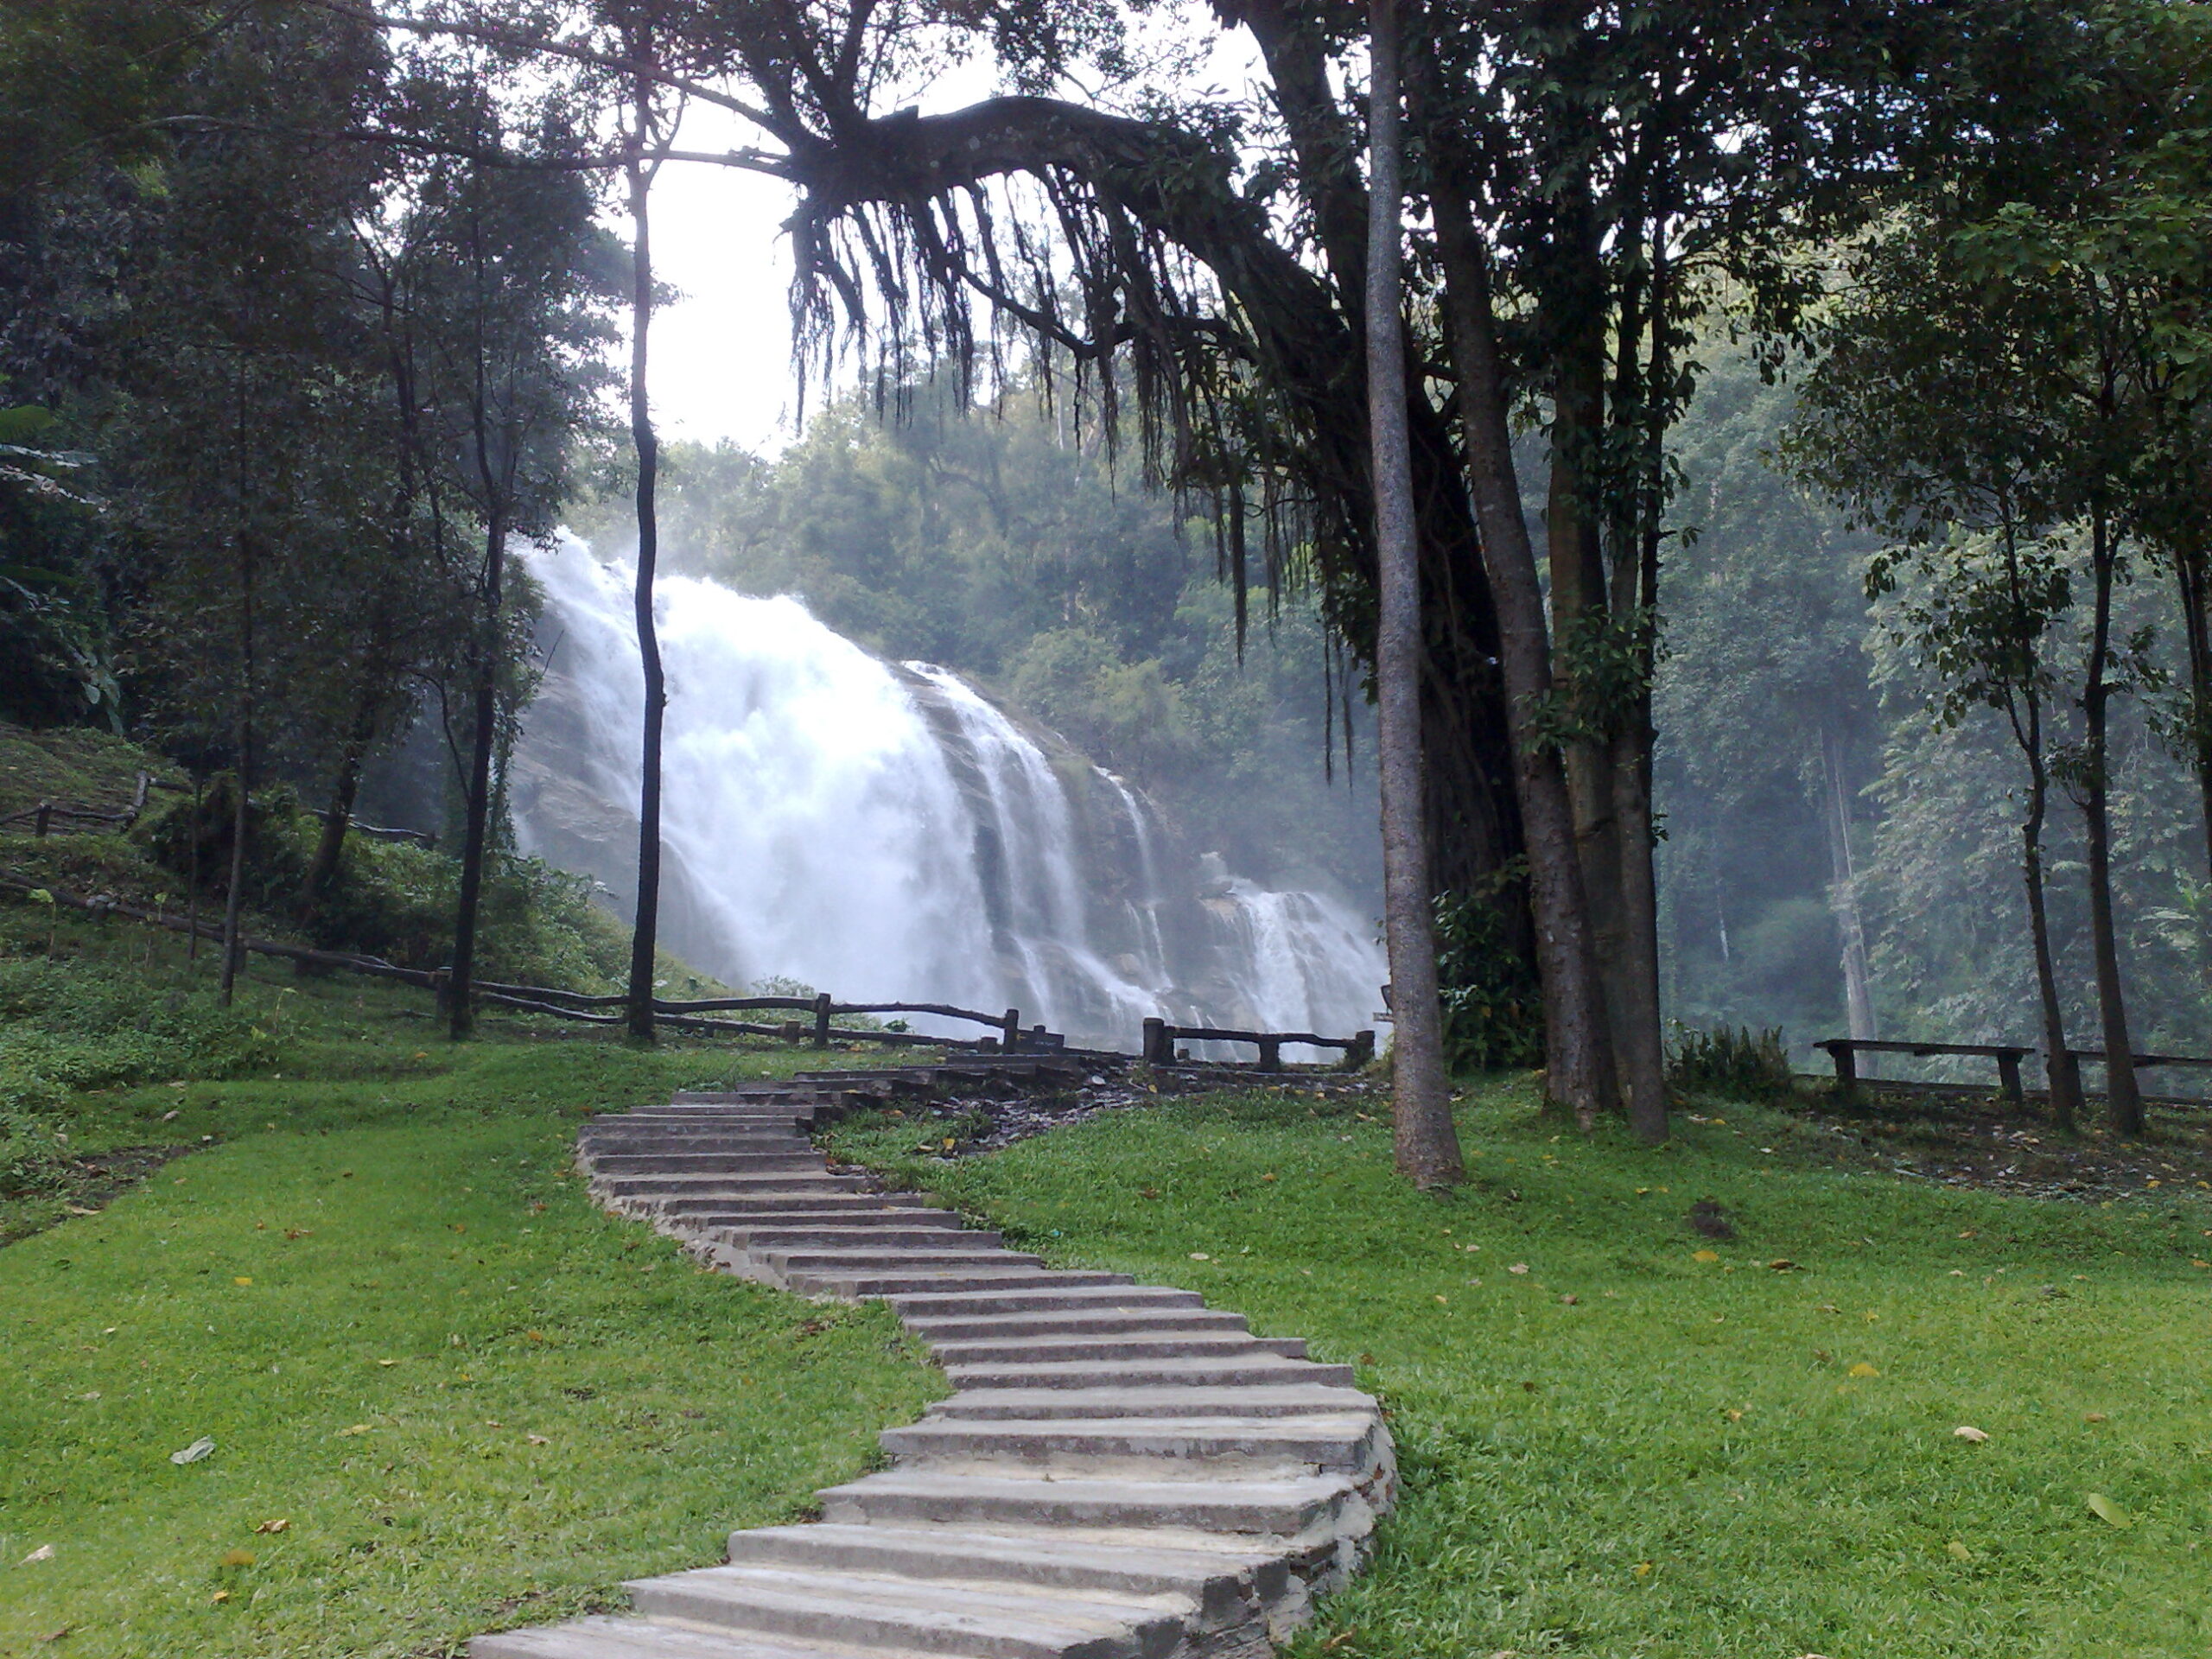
[(72, 1025), (33, 1156), (1493, 1016), (538, 925), (1732, 1061)]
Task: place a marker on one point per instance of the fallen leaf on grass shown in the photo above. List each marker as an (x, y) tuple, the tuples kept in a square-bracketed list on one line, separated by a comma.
[(220, 1596), (1862, 1369), (1571, 1301), (1340, 1639), (1200, 1255), (1518, 1267), (243, 1279), (358, 1428), (43, 1553), (1958, 1551), (1785, 1265), (294, 1234), (387, 1362), (1968, 1431), (193, 1453), (274, 1526), (55, 1635), (2107, 1511), (2096, 1417), (238, 1558), (1643, 1569), (79, 1210), (537, 1439)]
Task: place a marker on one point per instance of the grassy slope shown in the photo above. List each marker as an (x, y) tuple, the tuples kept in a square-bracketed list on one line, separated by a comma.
[(389, 1198), (1683, 1460)]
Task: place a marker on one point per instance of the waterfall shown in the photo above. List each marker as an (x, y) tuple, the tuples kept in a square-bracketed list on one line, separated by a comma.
[(885, 832)]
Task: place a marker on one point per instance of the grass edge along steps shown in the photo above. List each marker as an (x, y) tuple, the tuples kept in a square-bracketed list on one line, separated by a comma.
[(1120, 1471)]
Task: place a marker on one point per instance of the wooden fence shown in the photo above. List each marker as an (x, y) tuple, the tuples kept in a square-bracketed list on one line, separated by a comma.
[(696, 1015), (1161, 1038), (67, 817), (1844, 1051)]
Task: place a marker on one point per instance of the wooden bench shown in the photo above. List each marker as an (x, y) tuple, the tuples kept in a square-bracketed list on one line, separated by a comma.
[(1844, 1051), (1161, 1038)]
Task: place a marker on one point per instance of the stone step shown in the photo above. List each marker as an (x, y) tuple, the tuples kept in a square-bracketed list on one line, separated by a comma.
[(797, 1177), (767, 1188), (860, 1209), (1058, 1297), (1348, 1443), (604, 1638), (951, 1258), (1257, 1367), (1224, 1587), (865, 1286), (757, 1235), (1265, 1400), (984, 1327), (1286, 1509), (1136, 1344), (679, 1186), (782, 1151), (913, 1616)]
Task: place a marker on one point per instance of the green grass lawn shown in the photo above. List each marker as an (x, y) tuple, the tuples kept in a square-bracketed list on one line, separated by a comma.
[(1613, 1448), (447, 1394)]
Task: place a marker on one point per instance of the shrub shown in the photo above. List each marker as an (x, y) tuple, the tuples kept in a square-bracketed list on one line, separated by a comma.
[(34, 1153), (72, 1025), (1493, 1016), (1731, 1061)]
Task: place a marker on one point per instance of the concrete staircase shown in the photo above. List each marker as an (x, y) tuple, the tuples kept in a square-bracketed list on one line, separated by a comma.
[(1120, 1472)]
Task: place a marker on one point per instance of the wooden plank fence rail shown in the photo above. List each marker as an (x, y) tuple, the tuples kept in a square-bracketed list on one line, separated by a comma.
[(1844, 1051), (579, 1005), (1161, 1038), (53, 817)]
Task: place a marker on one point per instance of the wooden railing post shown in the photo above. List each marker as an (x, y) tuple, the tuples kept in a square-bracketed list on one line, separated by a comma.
[(1362, 1050), (1012, 1039), (38, 823), (2008, 1073), (1846, 1069), (1156, 1045), (1270, 1054), (821, 1019)]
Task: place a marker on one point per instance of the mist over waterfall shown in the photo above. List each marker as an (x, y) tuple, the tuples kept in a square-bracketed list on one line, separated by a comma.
[(884, 832)]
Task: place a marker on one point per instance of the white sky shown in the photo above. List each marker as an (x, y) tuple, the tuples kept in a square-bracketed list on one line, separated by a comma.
[(721, 356)]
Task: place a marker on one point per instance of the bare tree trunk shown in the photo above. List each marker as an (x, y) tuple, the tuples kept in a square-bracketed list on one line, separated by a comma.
[(1427, 1145), (1843, 899), (460, 1009), (643, 935), (191, 891), (2123, 1095), (2063, 1080), (330, 845), (2190, 572), (1578, 1046)]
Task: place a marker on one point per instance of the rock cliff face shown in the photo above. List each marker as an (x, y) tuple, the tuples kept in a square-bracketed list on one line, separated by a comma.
[(883, 831)]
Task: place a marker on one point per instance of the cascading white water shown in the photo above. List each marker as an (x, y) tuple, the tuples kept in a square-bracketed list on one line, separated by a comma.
[(886, 832)]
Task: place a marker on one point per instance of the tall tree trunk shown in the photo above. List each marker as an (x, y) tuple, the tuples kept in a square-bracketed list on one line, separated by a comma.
[(2196, 583), (1427, 1145), (233, 901), (1843, 897), (643, 938), (1578, 1045), (1640, 1049), (2123, 1096), (330, 845), (2063, 1080), (460, 1006)]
